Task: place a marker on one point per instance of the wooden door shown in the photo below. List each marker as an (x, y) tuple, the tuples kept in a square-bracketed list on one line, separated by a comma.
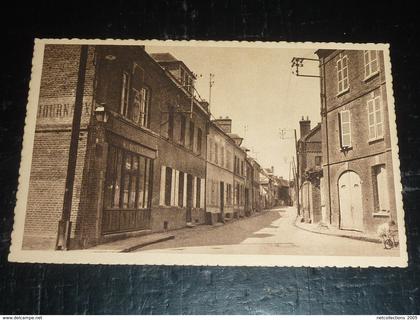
[(350, 197)]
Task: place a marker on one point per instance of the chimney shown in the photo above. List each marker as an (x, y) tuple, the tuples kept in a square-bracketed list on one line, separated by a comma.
[(272, 169), (224, 124), (305, 126)]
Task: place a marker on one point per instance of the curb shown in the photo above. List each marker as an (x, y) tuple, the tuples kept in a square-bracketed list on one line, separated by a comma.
[(141, 245), (360, 238)]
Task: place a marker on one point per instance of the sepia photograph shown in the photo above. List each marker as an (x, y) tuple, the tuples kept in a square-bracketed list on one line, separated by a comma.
[(210, 153)]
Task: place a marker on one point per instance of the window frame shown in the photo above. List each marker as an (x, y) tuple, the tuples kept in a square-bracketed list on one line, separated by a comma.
[(368, 63), (340, 116), (125, 93), (375, 122), (340, 71), (199, 140)]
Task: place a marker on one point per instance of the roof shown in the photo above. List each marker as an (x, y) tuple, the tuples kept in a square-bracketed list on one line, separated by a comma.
[(163, 57), (167, 58)]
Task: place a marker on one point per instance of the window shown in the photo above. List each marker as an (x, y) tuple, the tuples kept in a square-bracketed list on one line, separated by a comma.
[(342, 74), (199, 139), (170, 123), (380, 192), (242, 168), (192, 135), (229, 194), (127, 180), (181, 189), (318, 160), (211, 150), (139, 112), (222, 156), (182, 75), (182, 133), (135, 101), (371, 62), (216, 153), (375, 118), (345, 129), (237, 195), (124, 94), (168, 186)]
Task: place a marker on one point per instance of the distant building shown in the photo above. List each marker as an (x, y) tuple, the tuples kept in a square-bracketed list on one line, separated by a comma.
[(219, 177), (310, 171), (239, 156), (356, 146), (248, 192), (256, 193)]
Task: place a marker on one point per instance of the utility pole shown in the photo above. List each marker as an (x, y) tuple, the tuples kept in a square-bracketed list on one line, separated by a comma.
[(297, 183), (297, 62), (211, 83), (64, 225)]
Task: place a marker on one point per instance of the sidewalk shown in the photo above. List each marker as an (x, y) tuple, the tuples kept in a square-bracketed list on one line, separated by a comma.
[(134, 243), (334, 231)]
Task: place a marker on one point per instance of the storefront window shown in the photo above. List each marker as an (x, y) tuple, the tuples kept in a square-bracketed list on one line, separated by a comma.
[(127, 181)]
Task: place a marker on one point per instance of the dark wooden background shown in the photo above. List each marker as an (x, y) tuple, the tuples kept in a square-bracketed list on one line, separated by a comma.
[(81, 289)]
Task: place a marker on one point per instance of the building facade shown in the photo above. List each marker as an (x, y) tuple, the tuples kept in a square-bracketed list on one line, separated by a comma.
[(219, 179), (357, 164), (141, 156), (256, 192), (310, 171)]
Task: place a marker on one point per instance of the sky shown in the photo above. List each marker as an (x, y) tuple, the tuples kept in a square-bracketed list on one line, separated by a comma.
[(255, 87)]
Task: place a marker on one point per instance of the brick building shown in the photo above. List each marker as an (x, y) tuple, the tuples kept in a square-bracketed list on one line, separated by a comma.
[(310, 171), (357, 164), (141, 157)]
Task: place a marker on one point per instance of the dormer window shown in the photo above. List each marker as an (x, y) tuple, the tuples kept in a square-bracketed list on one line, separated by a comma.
[(186, 80)]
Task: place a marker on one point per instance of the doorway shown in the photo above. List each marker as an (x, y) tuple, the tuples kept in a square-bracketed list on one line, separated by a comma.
[(221, 212), (350, 197)]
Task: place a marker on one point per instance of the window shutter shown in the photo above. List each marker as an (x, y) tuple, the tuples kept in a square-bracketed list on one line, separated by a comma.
[(185, 189), (345, 128), (162, 185), (378, 118), (176, 184), (194, 188)]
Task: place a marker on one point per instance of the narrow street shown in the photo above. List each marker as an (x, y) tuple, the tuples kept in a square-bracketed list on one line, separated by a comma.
[(271, 232)]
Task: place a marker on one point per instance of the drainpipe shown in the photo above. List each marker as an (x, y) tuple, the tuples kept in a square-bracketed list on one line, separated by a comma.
[(325, 112), (64, 225)]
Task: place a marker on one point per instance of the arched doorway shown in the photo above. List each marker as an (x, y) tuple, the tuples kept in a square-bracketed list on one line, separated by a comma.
[(350, 196)]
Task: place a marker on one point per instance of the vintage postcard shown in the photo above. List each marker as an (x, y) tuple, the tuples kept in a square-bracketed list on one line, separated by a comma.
[(210, 153)]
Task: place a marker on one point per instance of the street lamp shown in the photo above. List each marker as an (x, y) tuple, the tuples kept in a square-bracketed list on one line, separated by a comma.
[(100, 114)]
